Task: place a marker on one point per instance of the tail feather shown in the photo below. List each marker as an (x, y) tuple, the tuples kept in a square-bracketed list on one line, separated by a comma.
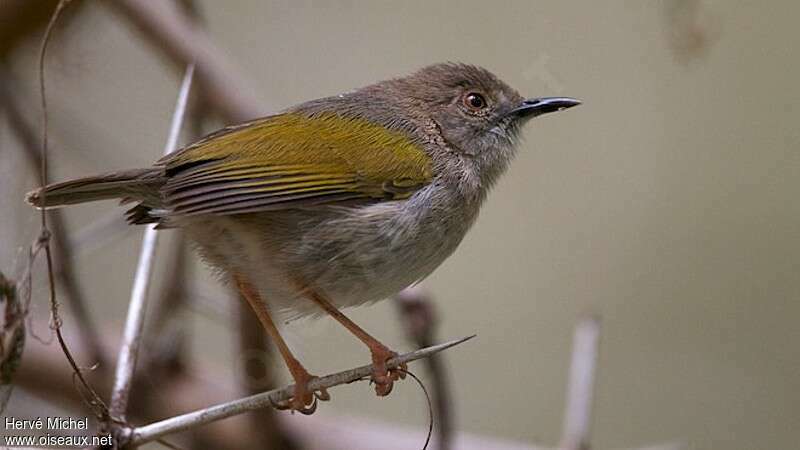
[(141, 214), (138, 184)]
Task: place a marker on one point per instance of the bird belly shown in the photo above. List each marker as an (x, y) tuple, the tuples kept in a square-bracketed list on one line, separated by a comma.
[(352, 256)]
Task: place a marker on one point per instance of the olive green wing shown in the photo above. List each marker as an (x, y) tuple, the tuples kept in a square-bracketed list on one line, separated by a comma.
[(293, 160)]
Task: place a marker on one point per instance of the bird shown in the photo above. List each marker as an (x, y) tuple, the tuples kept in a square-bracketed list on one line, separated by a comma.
[(333, 203)]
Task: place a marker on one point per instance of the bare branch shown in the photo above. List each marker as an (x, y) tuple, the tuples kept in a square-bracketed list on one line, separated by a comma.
[(136, 309), (148, 433), (43, 241)]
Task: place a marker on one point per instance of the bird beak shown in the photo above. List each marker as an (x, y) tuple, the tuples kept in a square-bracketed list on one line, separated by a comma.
[(533, 107)]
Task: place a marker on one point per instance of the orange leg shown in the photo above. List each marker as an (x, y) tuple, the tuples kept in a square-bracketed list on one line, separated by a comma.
[(382, 376), (303, 400)]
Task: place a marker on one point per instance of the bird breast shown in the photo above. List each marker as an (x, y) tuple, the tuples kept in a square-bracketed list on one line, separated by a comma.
[(352, 255)]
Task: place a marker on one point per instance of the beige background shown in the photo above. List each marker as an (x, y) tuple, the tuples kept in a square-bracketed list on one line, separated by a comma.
[(667, 203)]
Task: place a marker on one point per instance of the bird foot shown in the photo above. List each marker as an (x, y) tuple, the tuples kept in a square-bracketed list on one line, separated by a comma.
[(304, 400), (382, 376)]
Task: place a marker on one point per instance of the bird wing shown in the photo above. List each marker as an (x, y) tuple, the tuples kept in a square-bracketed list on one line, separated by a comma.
[(292, 160)]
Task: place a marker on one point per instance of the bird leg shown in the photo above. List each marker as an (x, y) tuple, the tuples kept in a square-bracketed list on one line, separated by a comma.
[(382, 376), (303, 401)]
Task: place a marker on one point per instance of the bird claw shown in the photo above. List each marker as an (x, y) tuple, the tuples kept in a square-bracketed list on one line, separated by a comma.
[(382, 376), (322, 395), (303, 400)]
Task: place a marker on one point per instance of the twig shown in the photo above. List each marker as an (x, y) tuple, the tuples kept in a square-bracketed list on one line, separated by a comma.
[(138, 303), (580, 388), (420, 322), (43, 241), (148, 433), (185, 42)]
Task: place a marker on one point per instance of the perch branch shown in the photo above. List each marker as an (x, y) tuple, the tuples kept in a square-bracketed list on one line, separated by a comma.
[(132, 334), (148, 433)]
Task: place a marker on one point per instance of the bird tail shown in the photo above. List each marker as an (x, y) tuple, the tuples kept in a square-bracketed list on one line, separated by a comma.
[(137, 184)]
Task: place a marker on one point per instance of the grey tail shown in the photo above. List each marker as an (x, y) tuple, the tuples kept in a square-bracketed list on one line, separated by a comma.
[(137, 184)]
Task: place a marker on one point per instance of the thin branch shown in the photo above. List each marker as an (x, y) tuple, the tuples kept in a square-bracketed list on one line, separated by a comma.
[(148, 433), (43, 240), (136, 309), (580, 389)]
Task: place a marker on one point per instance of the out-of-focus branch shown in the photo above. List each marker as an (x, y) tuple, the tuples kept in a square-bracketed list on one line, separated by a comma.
[(580, 388), (691, 28), (420, 321), (18, 18), (175, 34), (148, 433)]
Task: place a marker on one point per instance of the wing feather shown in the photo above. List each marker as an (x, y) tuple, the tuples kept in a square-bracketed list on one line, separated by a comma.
[(293, 160)]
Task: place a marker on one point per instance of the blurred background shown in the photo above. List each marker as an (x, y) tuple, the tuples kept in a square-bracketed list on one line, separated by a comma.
[(666, 204)]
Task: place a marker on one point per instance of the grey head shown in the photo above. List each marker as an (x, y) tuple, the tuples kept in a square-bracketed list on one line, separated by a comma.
[(465, 107)]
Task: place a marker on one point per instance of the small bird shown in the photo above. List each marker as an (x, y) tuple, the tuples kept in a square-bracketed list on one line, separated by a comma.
[(336, 202)]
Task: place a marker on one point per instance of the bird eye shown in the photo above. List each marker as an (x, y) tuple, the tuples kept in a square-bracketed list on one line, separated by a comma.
[(474, 101)]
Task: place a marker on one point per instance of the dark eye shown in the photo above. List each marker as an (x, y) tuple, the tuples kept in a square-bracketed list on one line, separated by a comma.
[(474, 101)]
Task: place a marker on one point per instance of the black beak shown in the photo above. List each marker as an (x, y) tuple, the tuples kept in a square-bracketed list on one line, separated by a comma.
[(533, 107)]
